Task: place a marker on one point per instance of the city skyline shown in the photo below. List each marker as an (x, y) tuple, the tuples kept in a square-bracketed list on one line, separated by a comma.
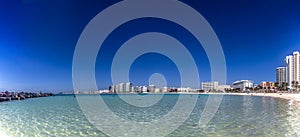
[(38, 38)]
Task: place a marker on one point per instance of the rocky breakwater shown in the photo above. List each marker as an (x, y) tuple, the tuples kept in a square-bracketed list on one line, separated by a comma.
[(8, 96)]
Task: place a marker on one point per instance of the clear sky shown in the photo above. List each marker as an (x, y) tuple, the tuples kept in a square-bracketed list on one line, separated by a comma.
[(38, 38)]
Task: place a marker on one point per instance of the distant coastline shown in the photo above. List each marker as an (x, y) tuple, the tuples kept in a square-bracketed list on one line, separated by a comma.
[(287, 96)]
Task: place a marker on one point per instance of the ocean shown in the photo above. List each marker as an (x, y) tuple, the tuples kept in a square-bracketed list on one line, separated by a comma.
[(61, 116)]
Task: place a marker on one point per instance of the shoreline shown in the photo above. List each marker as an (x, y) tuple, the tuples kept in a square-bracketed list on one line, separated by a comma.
[(287, 96), (292, 98)]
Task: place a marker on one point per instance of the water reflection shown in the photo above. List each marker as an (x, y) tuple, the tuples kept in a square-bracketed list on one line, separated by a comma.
[(293, 118)]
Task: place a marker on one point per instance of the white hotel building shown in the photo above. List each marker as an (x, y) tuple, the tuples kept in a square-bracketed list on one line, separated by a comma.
[(292, 68), (121, 88), (210, 86), (242, 84), (213, 86)]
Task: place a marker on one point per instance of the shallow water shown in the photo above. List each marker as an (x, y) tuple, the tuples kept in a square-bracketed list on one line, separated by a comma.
[(236, 116)]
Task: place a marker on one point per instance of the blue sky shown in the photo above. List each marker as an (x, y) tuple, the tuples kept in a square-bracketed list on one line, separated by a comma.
[(38, 38)]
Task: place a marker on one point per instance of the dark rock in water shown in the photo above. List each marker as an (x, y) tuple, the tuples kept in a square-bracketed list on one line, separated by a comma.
[(7, 96), (5, 99)]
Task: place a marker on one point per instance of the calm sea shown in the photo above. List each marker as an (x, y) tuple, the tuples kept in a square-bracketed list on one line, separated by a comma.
[(237, 116)]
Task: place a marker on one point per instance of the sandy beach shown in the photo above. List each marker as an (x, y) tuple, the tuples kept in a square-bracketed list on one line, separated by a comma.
[(289, 96), (2, 134)]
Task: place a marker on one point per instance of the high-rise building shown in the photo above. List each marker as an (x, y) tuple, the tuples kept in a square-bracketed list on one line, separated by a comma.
[(121, 88), (292, 68), (281, 75), (127, 87)]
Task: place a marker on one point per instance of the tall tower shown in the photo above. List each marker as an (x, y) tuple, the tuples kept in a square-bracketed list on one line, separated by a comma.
[(293, 68), (281, 75), (296, 66)]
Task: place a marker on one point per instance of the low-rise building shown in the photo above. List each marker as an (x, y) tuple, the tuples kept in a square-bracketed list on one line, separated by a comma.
[(144, 89), (267, 85), (184, 89), (209, 86), (164, 89), (152, 88), (223, 87), (242, 84), (157, 90)]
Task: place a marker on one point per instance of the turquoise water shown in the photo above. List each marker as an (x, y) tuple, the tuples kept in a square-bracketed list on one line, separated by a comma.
[(237, 116)]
